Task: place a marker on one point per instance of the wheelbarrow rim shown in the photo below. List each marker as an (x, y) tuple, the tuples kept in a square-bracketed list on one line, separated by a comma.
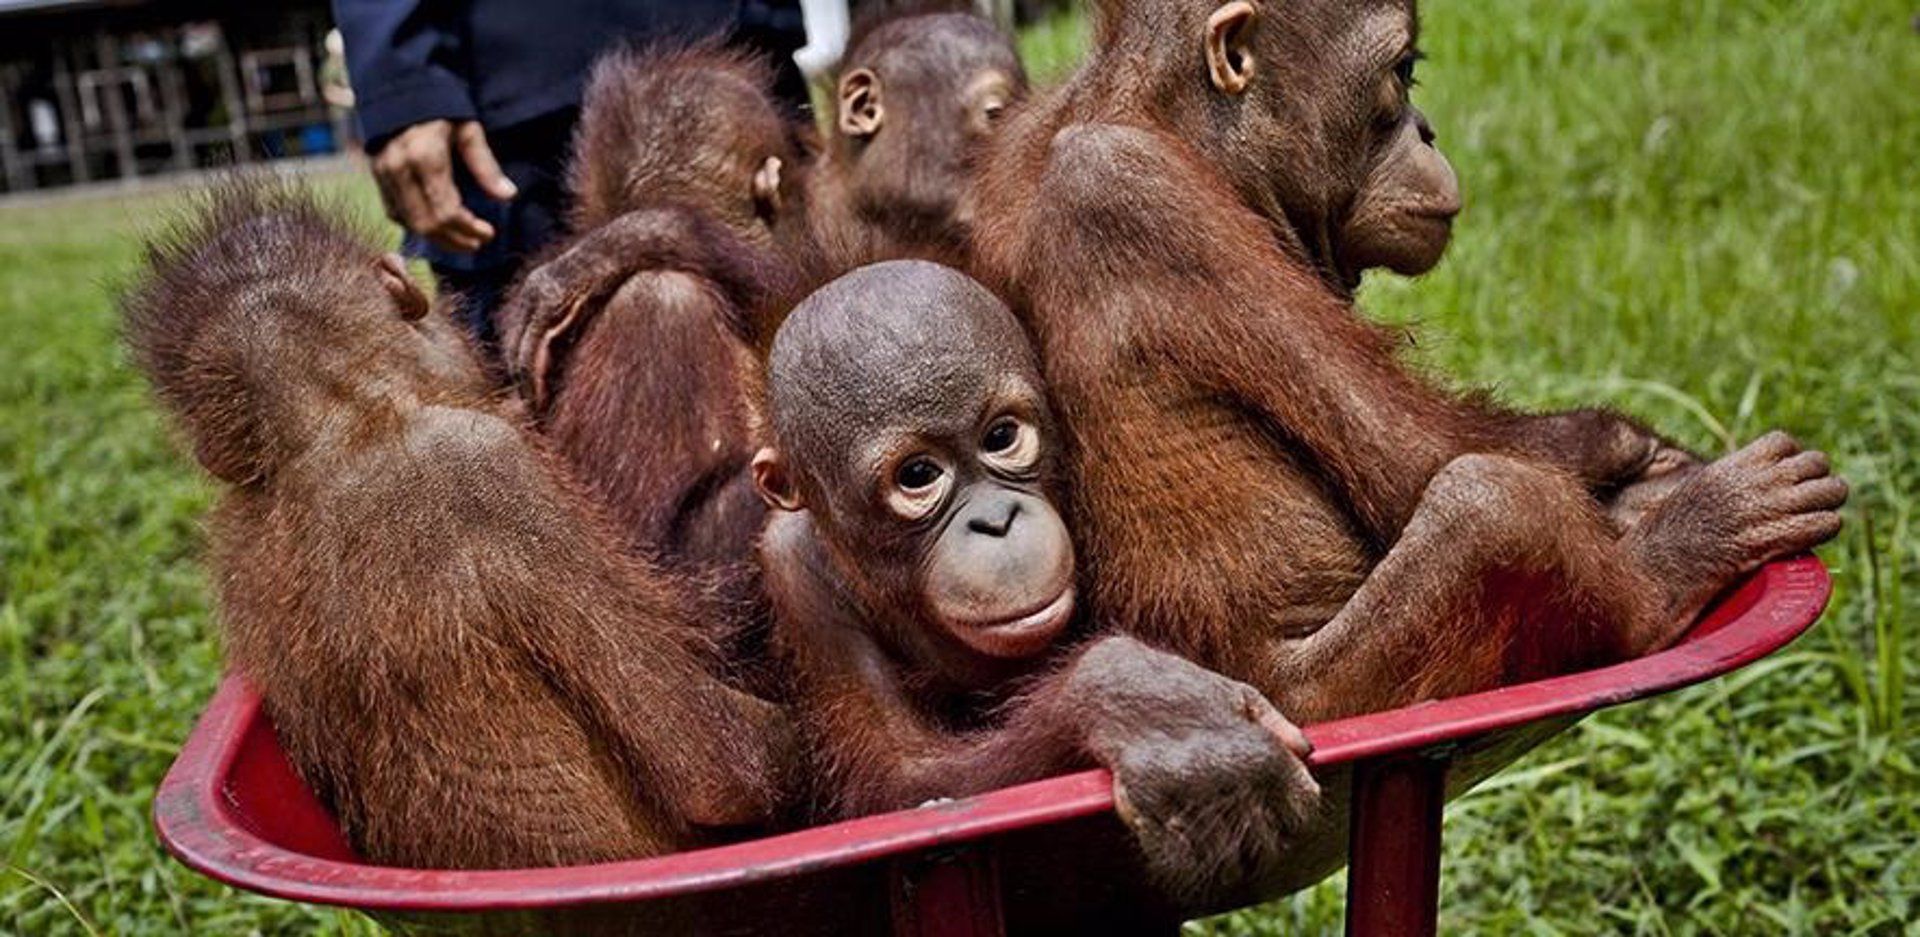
[(203, 827)]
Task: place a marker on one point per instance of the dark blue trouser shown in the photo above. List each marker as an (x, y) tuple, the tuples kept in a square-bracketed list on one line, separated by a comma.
[(534, 154)]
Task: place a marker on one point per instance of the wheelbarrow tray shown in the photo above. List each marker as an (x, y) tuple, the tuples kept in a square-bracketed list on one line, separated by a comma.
[(1045, 857)]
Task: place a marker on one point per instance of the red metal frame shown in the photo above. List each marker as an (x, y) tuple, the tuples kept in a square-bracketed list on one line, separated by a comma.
[(1041, 857), (1395, 837)]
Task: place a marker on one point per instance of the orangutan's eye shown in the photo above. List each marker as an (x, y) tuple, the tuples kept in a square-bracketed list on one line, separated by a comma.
[(987, 96), (920, 486), (1002, 435), (917, 474), (1405, 67), (1011, 446)]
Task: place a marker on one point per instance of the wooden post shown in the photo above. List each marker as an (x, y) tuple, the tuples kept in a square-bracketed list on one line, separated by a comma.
[(71, 130), (173, 110), (107, 48), (11, 165), (236, 106)]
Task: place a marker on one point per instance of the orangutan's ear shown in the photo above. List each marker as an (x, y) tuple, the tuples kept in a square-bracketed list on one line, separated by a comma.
[(766, 188), (774, 482), (1230, 61), (860, 109)]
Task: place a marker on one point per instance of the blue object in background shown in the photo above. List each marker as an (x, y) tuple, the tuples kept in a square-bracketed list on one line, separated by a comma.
[(317, 138)]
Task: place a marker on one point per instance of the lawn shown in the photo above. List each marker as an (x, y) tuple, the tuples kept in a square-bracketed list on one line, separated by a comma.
[(1707, 214)]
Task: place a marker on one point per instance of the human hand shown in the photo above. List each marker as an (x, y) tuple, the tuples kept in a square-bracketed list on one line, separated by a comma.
[(415, 173)]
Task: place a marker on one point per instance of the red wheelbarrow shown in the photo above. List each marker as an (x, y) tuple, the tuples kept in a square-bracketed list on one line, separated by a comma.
[(1048, 857)]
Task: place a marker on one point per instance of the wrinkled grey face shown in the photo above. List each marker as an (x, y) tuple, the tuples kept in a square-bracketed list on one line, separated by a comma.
[(966, 517), (911, 422)]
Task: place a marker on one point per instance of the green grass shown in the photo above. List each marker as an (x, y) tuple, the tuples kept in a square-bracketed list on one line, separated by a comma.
[(106, 650), (1707, 213)]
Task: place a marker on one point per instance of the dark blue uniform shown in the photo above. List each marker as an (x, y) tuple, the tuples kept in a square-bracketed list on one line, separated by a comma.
[(518, 66)]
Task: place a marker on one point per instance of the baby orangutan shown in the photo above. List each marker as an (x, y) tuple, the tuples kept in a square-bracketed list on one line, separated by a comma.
[(922, 582), (457, 655), (919, 91), (635, 344)]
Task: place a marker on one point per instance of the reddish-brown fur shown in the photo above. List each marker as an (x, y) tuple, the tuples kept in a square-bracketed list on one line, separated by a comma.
[(636, 340), (901, 695), (457, 655), (904, 190), (1259, 483)]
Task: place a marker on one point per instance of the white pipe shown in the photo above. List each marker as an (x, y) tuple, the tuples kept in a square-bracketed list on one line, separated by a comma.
[(827, 27)]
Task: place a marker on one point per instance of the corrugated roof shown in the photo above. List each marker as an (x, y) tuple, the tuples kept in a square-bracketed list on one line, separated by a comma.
[(28, 6)]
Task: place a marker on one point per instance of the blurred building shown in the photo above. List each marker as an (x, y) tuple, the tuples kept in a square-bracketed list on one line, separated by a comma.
[(116, 89)]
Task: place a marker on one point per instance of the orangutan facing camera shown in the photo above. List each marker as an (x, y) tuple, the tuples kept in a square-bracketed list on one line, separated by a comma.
[(924, 594)]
